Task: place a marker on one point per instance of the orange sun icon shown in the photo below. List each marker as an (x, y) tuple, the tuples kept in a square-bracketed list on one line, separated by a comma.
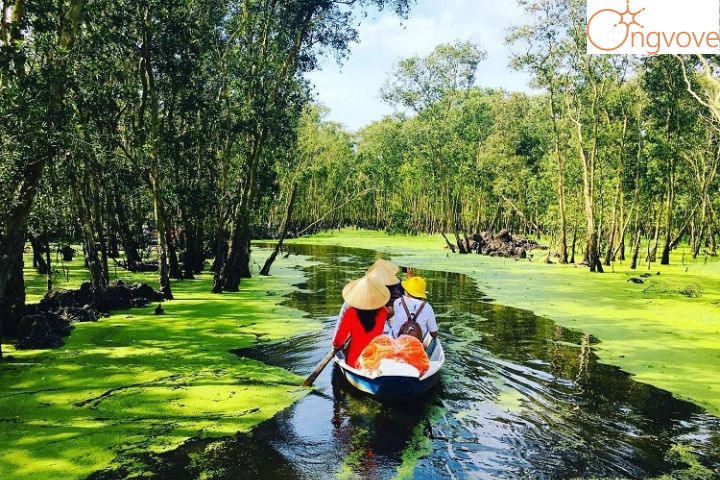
[(602, 26), (628, 16)]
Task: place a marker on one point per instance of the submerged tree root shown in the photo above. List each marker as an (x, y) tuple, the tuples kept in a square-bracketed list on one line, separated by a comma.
[(45, 324)]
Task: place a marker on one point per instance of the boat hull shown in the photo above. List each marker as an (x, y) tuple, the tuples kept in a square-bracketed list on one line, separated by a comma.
[(391, 388), (396, 387)]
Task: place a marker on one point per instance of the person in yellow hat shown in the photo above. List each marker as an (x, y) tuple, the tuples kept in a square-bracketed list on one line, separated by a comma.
[(413, 306)]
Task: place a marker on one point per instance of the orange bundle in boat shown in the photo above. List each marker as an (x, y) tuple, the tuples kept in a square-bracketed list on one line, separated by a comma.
[(411, 351), (378, 349), (404, 349)]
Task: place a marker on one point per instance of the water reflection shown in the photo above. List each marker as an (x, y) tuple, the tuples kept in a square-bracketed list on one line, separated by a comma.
[(520, 398)]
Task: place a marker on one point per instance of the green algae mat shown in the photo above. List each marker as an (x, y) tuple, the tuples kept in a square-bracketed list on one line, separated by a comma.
[(665, 331), (136, 382)]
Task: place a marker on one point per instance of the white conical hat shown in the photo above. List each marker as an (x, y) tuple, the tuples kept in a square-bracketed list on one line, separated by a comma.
[(389, 267), (366, 294), (383, 276)]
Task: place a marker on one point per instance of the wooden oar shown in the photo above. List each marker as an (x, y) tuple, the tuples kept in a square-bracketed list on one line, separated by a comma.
[(321, 366)]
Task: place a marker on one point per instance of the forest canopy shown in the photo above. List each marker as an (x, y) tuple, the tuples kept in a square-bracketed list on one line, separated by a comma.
[(129, 124), (161, 135), (614, 154)]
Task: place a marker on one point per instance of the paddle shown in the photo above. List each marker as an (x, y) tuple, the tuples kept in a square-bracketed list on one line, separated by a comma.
[(321, 366)]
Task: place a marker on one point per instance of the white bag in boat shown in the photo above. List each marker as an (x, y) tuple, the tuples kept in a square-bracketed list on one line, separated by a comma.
[(393, 368)]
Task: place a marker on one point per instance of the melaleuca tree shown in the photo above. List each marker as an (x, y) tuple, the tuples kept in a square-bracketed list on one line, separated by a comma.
[(36, 56), (436, 88), (675, 126), (271, 45)]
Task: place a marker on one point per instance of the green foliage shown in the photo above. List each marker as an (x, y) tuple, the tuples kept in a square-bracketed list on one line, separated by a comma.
[(131, 120), (137, 384), (419, 82), (399, 223), (610, 153), (688, 465)]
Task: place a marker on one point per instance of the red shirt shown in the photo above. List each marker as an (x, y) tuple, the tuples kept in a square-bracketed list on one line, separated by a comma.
[(359, 338)]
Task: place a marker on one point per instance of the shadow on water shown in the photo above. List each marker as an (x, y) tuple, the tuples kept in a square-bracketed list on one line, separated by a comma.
[(520, 398)]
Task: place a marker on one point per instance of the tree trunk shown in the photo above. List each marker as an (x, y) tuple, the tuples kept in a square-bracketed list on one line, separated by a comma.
[(113, 247), (625, 222), (49, 263), (237, 264), (611, 236), (592, 248), (15, 224), (160, 228), (12, 302), (447, 241), (636, 248), (594, 254), (38, 258), (127, 239), (149, 95), (283, 232), (665, 259), (188, 254), (173, 262), (90, 244), (103, 251), (574, 243), (560, 181), (652, 252), (221, 252), (245, 253), (459, 242), (199, 249)]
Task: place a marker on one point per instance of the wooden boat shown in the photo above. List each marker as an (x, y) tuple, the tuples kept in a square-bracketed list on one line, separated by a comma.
[(403, 383)]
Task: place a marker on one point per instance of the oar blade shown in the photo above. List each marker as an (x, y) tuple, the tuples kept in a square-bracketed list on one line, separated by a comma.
[(310, 380)]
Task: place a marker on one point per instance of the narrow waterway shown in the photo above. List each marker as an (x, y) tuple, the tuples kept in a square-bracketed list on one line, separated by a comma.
[(520, 397)]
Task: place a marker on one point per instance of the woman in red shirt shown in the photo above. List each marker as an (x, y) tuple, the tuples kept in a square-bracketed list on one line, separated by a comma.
[(365, 319)]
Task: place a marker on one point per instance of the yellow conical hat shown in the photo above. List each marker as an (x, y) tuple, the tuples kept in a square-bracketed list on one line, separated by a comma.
[(366, 294)]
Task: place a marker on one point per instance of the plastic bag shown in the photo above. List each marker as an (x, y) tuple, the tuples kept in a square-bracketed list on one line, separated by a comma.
[(404, 349), (411, 351), (379, 349)]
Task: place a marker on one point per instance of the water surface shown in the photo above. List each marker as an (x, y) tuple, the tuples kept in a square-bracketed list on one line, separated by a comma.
[(520, 397)]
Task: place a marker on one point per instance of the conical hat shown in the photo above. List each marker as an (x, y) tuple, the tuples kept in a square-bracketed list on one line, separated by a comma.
[(383, 276), (366, 294), (389, 267)]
